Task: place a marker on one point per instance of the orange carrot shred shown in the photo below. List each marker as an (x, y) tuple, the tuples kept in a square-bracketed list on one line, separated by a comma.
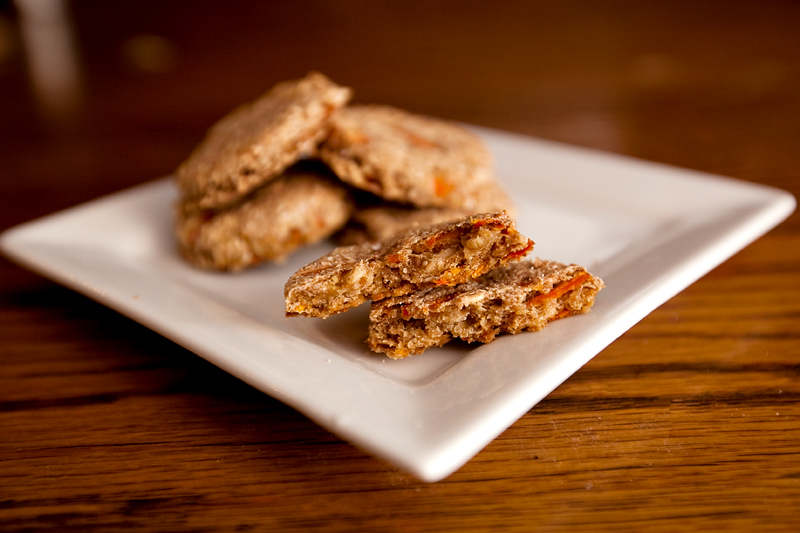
[(521, 253), (560, 289), (442, 187)]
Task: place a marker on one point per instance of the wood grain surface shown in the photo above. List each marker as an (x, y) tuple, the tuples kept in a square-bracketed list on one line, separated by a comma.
[(688, 422)]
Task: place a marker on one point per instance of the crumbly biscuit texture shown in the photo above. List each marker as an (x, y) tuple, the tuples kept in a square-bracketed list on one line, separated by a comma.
[(378, 222), (408, 158), (258, 141), (444, 254), (295, 209), (522, 296)]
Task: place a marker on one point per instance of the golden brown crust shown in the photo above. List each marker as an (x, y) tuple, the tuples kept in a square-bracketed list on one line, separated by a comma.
[(295, 209), (256, 142), (445, 254), (408, 158), (519, 297)]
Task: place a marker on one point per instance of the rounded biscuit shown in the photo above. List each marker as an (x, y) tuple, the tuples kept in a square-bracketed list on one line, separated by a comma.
[(257, 141), (408, 158), (293, 210)]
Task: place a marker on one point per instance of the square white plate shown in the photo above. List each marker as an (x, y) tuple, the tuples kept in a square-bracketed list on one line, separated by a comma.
[(648, 230)]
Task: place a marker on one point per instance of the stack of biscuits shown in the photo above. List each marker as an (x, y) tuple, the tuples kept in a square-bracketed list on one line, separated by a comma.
[(298, 165), (423, 224)]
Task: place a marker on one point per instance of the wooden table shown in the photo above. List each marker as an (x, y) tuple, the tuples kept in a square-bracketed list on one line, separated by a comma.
[(690, 421)]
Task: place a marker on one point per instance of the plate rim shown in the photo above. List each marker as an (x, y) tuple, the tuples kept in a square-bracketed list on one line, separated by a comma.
[(412, 448)]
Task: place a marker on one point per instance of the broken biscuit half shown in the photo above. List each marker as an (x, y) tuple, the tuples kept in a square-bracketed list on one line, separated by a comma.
[(518, 297), (439, 255)]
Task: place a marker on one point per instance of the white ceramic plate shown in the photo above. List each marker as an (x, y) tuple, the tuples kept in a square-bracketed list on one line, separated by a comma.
[(648, 230)]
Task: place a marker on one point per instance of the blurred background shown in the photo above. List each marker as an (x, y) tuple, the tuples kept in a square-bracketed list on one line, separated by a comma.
[(101, 95)]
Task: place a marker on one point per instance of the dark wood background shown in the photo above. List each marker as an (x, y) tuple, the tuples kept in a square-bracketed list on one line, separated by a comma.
[(690, 421)]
